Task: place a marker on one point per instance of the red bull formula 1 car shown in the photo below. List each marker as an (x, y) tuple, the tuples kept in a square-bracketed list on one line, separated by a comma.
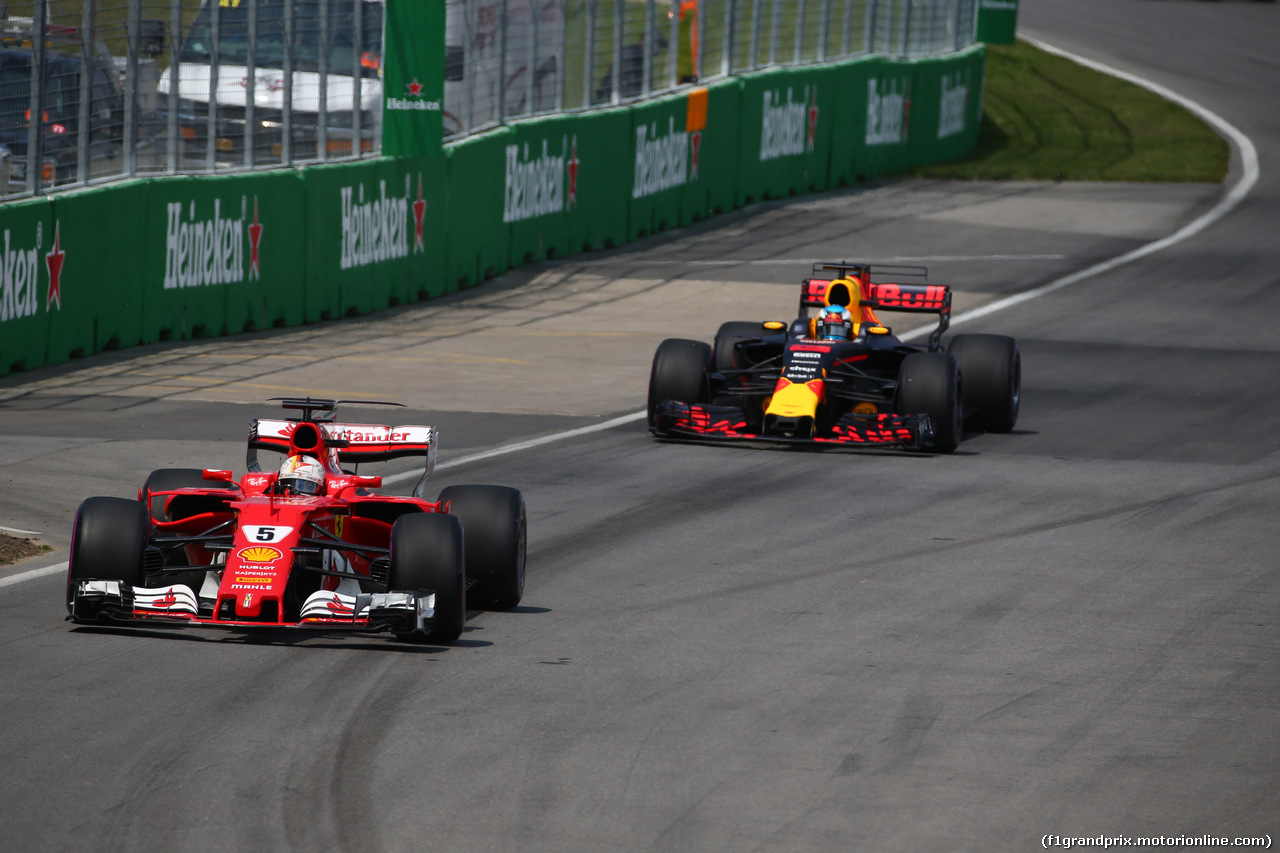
[(310, 546), (840, 378)]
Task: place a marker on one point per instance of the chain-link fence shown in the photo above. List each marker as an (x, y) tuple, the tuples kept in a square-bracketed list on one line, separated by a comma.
[(515, 58), (125, 88)]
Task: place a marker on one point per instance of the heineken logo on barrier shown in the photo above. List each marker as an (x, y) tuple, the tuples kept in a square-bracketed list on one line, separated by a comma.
[(888, 111), (20, 287), (536, 182), (662, 160), (788, 127), (955, 99), (208, 250), (413, 99), (377, 229)]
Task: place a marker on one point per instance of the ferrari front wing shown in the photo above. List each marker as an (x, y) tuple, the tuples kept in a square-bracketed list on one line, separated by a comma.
[(176, 604)]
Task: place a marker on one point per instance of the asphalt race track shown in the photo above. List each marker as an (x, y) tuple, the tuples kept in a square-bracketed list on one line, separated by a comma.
[(1070, 630)]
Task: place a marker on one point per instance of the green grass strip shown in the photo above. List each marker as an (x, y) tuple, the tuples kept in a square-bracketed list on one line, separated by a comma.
[(1046, 118)]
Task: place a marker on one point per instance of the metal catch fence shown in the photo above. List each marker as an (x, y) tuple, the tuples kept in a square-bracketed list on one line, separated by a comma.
[(137, 88)]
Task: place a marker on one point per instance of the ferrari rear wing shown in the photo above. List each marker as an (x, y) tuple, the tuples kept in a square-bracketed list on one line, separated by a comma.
[(920, 298), (353, 443)]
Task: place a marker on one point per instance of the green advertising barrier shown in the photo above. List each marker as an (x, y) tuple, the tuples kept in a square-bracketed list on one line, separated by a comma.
[(223, 255), (30, 299), (599, 179), (477, 199), (997, 21), (946, 108), (786, 132), (889, 110), (537, 178), (714, 129), (374, 235), (92, 309), (660, 156), (182, 257), (849, 162)]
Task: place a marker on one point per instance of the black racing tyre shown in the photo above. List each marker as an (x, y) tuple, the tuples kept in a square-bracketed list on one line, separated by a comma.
[(727, 337), (427, 554), (929, 383), (991, 367), (495, 536), (168, 479), (107, 541), (680, 372)]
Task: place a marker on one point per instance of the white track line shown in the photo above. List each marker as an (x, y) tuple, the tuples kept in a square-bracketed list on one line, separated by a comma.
[(1249, 177), (19, 531), (55, 569), (518, 446)]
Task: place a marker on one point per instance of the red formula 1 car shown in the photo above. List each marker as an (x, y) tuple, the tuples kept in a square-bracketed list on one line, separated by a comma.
[(308, 547), (840, 378)]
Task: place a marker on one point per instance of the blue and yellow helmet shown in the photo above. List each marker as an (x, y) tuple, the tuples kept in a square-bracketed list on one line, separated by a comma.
[(835, 323)]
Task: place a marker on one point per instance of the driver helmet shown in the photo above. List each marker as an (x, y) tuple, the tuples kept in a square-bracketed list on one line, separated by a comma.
[(300, 475), (835, 323)]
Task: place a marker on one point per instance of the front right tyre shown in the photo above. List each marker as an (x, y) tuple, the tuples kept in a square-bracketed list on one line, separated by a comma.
[(107, 541), (680, 372)]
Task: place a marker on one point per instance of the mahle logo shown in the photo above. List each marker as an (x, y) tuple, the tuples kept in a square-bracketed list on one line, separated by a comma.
[(209, 250), (888, 110), (662, 162), (955, 99), (377, 229), (788, 127), (535, 183), (20, 289)]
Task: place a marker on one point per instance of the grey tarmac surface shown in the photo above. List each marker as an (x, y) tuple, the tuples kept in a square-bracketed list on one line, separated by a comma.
[(1070, 630), (550, 347)]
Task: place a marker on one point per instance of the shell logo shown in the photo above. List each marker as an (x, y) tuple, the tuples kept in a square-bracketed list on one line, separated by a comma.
[(259, 554)]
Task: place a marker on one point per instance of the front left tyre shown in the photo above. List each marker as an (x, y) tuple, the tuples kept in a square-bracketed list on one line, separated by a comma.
[(427, 555), (929, 384), (107, 542)]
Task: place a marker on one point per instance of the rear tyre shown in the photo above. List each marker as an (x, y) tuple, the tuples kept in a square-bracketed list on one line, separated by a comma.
[(929, 384), (495, 536), (729, 335), (168, 479), (107, 541), (992, 369), (427, 554), (680, 372)]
